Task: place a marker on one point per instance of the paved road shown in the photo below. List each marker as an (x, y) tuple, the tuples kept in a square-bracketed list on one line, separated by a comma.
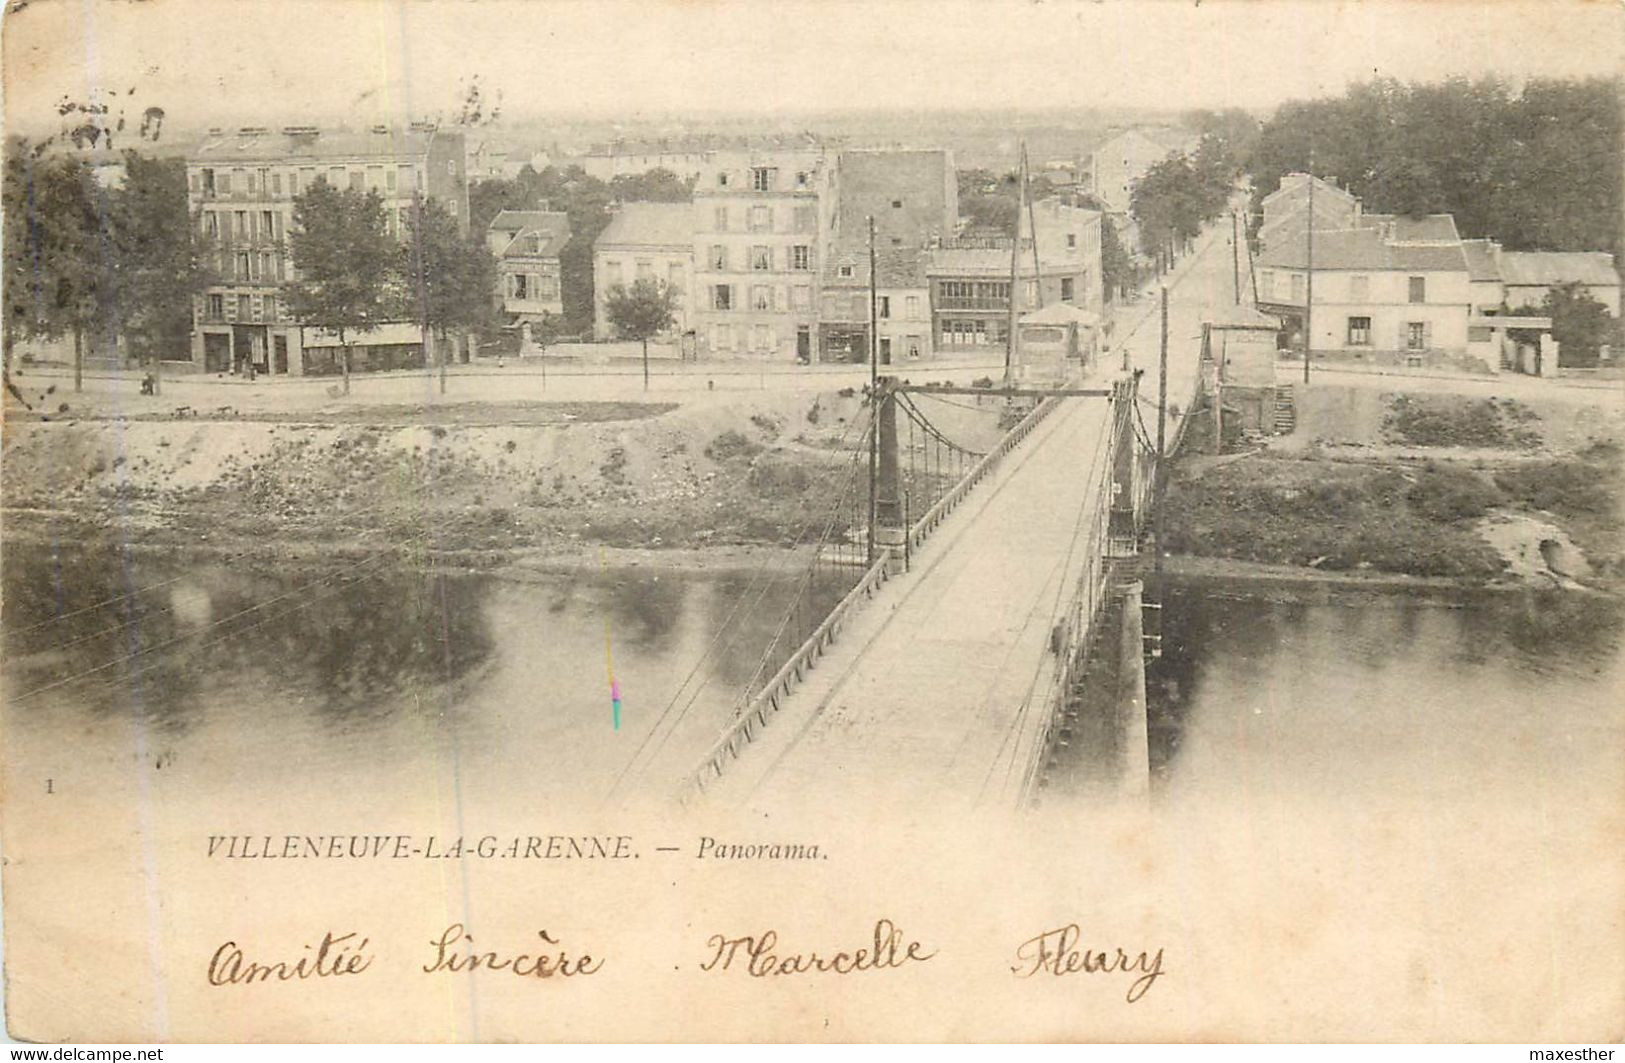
[(936, 691)]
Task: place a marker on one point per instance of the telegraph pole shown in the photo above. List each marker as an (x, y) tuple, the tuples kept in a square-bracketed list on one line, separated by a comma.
[(1015, 265), (1309, 271), (1235, 254), (1162, 423), (874, 390)]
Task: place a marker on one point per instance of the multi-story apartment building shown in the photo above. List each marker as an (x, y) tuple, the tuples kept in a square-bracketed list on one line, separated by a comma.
[(527, 244), (241, 186), (761, 223), (969, 277), (1115, 165), (645, 241)]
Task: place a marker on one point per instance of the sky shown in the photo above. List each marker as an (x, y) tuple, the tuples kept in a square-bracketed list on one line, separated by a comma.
[(254, 62)]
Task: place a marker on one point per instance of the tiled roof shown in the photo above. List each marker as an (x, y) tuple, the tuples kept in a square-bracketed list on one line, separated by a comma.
[(649, 225), (1557, 267), (1425, 228), (1363, 249), (1481, 265), (552, 227)]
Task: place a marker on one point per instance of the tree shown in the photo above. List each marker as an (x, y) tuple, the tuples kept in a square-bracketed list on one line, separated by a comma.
[(1580, 324), (160, 268), (651, 186), (450, 277), (345, 261), (60, 270), (641, 312)]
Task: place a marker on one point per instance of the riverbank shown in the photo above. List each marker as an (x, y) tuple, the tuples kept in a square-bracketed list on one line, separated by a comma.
[(477, 485), (1418, 491)]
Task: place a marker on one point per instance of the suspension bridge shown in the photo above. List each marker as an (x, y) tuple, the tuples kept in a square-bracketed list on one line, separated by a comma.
[(955, 593)]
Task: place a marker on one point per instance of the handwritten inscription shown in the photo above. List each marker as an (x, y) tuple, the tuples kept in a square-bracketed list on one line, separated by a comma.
[(455, 952), (759, 955), (1056, 952), (336, 956)]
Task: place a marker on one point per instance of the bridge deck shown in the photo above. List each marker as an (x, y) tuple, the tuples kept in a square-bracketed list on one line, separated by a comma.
[(936, 691)]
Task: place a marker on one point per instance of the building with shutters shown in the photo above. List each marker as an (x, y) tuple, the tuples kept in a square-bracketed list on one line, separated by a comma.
[(645, 241), (241, 187), (527, 244), (761, 223), (1393, 291)]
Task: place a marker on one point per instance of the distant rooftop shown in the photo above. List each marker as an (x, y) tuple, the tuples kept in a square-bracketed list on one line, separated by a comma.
[(532, 233), (263, 144), (1547, 268), (1363, 249)]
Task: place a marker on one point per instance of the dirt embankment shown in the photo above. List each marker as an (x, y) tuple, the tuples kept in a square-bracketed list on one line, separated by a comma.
[(1476, 489), (486, 478)]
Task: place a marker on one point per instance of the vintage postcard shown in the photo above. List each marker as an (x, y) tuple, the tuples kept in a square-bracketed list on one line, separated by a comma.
[(813, 521)]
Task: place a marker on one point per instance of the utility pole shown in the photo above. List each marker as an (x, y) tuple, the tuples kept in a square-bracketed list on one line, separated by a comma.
[(1015, 265), (874, 391), (1235, 254), (1162, 428), (1032, 230), (1309, 271)]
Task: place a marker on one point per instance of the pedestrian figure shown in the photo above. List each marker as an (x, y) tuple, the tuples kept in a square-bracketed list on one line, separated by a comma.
[(149, 385)]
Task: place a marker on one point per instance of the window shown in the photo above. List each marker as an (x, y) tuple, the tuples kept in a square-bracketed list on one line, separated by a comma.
[(407, 174), (722, 179), (1066, 289), (761, 258), (1072, 239), (266, 224), (761, 178), (911, 307), (389, 179), (800, 257), (801, 179), (761, 219), (211, 223), (1416, 335), (722, 337), (719, 256), (1359, 288), (1031, 297), (722, 297), (612, 275), (1297, 287), (307, 177), (1419, 289), (762, 338), (720, 219), (358, 181), (1267, 284), (276, 183), (896, 204), (911, 344), (674, 278), (240, 224), (217, 306), (761, 297), (883, 304), (844, 271), (265, 266), (242, 265), (1480, 334), (270, 308), (645, 270), (375, 178), (225, 184), (1359, 332), (245, 308), (281, 267), (801, 297), (519, 285), (208, 181)]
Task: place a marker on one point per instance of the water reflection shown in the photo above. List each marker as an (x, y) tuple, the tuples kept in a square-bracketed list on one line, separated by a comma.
[(1325, 694)]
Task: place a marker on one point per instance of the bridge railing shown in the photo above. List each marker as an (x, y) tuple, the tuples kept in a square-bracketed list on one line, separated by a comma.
[(765, 703)]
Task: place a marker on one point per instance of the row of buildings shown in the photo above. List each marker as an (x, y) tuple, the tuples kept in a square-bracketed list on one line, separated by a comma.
[(770, 261), (1408, 290)]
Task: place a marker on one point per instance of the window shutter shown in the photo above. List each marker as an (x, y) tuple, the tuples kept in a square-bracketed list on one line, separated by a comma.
[(1427, 335), (1404, 335)]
